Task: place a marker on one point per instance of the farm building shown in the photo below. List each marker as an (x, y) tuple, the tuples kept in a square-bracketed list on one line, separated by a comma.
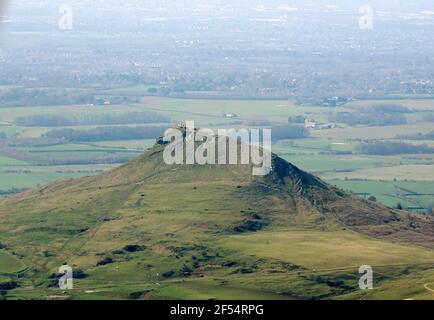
[(310, 123)]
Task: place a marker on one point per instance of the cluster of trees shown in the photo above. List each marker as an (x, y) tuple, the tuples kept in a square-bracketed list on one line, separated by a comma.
[(90, 119), (375, 115), (391, 148), (419, 136), (296, 119), (289, 131), (387, 108), (383, 119), (106, 133)]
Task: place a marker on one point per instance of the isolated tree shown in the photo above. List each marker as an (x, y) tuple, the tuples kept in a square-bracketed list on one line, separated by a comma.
[(399, 206)]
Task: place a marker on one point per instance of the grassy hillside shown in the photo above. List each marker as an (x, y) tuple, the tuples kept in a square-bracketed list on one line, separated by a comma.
[(146, 230)]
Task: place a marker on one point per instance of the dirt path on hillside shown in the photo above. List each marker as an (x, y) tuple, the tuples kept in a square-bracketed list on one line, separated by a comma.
[(426, 286)]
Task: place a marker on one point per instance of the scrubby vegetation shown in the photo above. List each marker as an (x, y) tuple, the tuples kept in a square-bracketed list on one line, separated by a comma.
[(10, 285), (104, 261), (289, 131), (133, 248), (297, 119)]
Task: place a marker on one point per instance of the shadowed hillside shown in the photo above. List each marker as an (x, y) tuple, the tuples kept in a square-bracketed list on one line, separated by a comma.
[(147, 230)]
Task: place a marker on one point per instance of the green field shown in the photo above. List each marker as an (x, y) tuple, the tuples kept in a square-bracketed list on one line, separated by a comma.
[(6, 161), (32, 179), (397, 172), (326, 250), (410, 194)]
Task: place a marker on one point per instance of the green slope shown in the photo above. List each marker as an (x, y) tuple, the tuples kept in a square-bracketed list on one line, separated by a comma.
[(205, 232)]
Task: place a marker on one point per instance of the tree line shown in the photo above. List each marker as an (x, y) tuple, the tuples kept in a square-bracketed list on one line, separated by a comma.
[(369, 119), (106, 133), (134, 133), (386, 108), (419, 136), (48, 120), (390, 148)]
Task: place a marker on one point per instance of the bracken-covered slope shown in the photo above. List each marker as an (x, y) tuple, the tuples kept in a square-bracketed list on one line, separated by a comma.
[(149, 230)]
